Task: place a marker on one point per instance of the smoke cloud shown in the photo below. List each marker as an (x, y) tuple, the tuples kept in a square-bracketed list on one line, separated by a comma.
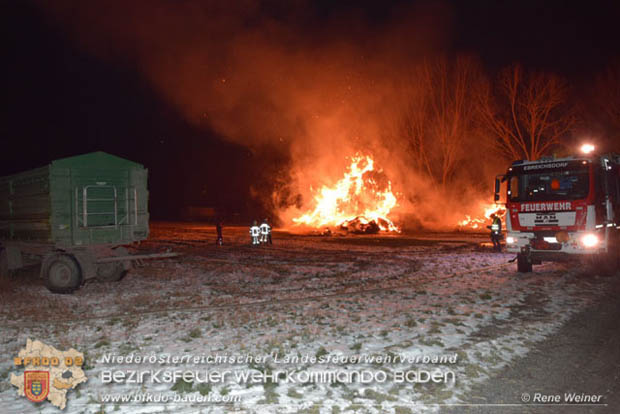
[(315, 85)]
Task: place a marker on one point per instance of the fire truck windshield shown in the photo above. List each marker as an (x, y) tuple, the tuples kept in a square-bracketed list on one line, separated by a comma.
[(552, 184)]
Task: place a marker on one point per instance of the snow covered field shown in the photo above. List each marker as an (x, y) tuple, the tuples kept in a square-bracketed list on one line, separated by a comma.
[(393, 307)]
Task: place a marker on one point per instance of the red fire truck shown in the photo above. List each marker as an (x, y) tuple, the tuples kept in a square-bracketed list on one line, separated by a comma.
[(558, 209)]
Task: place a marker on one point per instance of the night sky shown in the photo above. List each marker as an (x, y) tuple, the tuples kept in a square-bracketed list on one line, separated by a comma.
[(61, 100)]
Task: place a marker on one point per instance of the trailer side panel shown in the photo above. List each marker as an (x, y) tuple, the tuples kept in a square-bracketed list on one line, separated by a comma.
[(25, 207)]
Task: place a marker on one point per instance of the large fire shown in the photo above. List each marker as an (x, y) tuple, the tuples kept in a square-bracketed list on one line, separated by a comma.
[(362, 197), (479, 222)]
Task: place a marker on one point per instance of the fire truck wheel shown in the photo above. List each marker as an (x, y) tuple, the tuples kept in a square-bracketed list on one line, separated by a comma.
[(62, 273), (523, 264), (607, 264)]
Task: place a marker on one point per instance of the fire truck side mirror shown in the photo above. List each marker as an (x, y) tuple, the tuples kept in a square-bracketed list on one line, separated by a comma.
[(497, 188)]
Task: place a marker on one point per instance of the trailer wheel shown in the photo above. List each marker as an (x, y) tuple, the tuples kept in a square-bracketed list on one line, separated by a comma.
[(62, 273), (523, 264), (111, 272)]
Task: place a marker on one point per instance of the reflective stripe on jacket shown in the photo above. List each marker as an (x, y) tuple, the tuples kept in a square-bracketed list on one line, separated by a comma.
[(497, 225), (265, 228)]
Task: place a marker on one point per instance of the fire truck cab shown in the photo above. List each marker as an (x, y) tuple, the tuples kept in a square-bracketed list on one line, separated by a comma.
[(558, 209)]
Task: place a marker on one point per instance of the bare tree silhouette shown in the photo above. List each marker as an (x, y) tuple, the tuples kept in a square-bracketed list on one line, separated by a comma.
[(607, 96), (526, 112), (439, 114)]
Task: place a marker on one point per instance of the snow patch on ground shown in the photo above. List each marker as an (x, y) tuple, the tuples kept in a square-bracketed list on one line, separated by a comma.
[(304, 296)]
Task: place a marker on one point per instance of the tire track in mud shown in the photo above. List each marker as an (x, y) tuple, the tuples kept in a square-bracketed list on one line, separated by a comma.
[(271, 259), (349, 277)]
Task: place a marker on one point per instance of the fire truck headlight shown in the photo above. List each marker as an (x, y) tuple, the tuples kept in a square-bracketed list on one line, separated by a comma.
[(589, 240), (510, 240)]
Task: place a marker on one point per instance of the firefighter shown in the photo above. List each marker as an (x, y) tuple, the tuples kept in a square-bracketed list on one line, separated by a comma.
[(496, 232), (265, 232), (255, 233), (218, 228)]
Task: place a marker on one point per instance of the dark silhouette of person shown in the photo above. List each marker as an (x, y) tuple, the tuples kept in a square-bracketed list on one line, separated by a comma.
[(218, 228)]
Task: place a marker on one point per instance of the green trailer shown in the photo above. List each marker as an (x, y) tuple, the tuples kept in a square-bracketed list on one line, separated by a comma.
[(74, 215)]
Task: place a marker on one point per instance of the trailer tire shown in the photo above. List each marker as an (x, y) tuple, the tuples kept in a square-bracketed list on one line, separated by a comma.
[(523, 264), (111, 272), (62, 273)]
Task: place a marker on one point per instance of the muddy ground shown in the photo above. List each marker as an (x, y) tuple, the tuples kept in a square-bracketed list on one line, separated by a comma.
[(411, 296)]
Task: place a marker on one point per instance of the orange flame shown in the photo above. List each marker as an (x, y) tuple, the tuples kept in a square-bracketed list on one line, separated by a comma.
[(479, 222), (361, 194)]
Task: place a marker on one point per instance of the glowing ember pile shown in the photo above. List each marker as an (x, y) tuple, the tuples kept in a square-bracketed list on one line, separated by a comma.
[(481, 222), (360, 201)]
